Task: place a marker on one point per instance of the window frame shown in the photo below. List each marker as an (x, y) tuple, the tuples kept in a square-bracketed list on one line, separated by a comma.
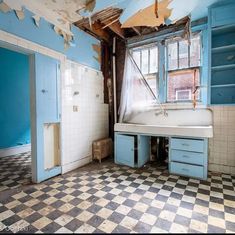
[(147, 47), (156, 74), (177, 91), (178, 39)]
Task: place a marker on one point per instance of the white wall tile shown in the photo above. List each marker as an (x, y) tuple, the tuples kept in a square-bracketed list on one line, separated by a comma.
[(90, 123), (222, 145)]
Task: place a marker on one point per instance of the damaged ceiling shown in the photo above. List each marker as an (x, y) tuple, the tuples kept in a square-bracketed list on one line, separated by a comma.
[(105, 18)]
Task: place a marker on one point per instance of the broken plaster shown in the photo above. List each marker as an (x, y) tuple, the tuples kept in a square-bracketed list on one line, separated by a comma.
[(97, 49), (147, 16), (187, 31), (90, 5), (67, 37), (4, 7), (20, 14), (36, 19)]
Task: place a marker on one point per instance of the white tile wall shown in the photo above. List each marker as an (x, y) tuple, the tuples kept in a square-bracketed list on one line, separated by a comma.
[(222, 145), (90, 122)]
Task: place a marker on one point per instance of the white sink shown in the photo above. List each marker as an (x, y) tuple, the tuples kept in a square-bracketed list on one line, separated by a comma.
[(165, 130)]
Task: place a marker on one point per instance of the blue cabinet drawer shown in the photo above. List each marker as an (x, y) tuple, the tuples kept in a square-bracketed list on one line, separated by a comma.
[(188, 144), (186, 169), (223, 15), (187, 157)]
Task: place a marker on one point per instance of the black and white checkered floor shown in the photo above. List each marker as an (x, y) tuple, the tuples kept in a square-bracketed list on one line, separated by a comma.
[(15, 171), (111, 198)]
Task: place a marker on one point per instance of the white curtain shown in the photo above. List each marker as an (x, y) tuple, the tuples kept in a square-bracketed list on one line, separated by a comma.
[(136, 96)]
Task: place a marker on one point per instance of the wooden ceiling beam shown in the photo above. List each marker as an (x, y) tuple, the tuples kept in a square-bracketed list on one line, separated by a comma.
[(136, 30), (116, 28), (110, 23), (96, 29)]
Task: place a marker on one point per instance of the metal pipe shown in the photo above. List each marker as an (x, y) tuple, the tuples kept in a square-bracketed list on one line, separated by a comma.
[(114, 81)]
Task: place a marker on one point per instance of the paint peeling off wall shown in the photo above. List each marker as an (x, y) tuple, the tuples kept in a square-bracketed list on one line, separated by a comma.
[(36, 19), (38, 8), (20, 14), (97, 49), (4, 7), (147, 16), (90, 5), (67, 37)]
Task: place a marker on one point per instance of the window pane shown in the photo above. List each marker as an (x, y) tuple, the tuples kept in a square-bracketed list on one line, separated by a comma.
[(153, 81), (183, 95), (183, 54), (145, 61), (153, 63), (195, 52), (136, 57), (172, 56), (183, 83)]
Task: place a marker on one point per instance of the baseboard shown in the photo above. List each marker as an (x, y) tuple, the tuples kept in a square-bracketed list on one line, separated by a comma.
[(221, 168), (76, 164), (15, 150)]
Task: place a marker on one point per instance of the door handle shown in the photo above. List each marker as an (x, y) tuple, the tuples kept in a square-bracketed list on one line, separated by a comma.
[(44, 91)]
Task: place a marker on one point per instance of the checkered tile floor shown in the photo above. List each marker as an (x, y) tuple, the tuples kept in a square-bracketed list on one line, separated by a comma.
[(15, 171), (111, 198)]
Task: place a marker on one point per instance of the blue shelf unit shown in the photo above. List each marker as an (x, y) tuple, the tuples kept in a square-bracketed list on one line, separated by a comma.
[(222, 53)]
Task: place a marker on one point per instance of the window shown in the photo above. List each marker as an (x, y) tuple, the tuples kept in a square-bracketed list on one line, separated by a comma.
[(147, 60), (183, 94), (183, 69)]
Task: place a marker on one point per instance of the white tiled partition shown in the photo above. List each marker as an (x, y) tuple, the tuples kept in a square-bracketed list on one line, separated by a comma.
[(222, 145), (84, 114)]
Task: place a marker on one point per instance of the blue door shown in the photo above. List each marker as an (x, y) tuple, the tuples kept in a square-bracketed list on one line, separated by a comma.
[(143, 149), (45, 109), (124, 150)]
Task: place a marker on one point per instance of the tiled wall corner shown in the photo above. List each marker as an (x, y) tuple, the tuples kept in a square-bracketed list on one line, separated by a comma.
[(222, 145)]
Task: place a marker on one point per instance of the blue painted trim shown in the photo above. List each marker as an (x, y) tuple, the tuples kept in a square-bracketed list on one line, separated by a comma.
[(204, 68), (162, 74)]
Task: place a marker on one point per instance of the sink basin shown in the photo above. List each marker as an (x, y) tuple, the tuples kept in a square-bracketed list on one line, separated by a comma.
[(166, 130)]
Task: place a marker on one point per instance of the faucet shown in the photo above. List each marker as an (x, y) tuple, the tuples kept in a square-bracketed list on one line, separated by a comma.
[(162, 112)]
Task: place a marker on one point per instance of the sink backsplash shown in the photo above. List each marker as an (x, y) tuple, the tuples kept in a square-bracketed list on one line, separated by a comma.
[(174, 117)]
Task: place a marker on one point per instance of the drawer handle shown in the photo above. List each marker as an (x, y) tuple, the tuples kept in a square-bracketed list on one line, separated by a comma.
[(184, 169), (185, 156), (185, 145)]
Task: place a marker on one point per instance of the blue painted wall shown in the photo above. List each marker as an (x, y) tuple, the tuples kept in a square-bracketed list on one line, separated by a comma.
[(14, 99), (46, 36)]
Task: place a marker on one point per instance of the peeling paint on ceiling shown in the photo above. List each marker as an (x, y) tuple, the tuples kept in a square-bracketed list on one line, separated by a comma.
[(62, 13), (180, 9), (147, 16), (4, 7)]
